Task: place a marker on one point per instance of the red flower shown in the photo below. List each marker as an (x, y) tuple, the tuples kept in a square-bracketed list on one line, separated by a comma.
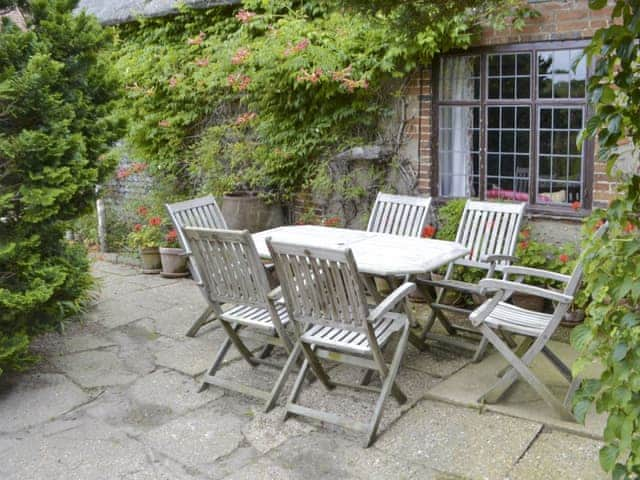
[(629, 227), (171, 235), (564, 258), (155, 221), (598, 224), (142, 210), (523, 245), (576, 205), (332, 222), (137, 227), (428, 232), (526, 233)]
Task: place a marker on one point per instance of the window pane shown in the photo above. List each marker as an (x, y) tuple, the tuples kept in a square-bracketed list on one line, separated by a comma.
[(460, 78), (508, 173), (509, 76), (458, 151), (561, 74), (560, 162)]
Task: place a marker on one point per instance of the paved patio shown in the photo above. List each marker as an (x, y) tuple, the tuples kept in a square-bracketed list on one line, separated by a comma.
[(116, 398)]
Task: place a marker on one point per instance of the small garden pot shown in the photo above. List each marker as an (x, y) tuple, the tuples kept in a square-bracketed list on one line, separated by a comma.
[(573, 318), (530, 302), (174, 262), (151, 262)]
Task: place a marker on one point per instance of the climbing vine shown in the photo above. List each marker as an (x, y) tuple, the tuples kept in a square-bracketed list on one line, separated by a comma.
[(258, 98), (611, 332)]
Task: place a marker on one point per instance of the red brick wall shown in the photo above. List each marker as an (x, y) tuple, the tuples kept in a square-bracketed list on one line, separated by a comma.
[(558, 20)]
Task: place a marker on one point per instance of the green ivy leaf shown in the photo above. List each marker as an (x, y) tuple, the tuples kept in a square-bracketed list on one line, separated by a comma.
[(608, 457), (597, 4), (620, 351)]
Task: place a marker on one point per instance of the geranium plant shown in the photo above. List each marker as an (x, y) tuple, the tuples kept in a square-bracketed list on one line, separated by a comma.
[(148, 233)]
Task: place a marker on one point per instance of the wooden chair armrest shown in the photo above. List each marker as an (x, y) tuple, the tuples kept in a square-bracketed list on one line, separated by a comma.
[(275, 294), (508, 286), (479, 314), (535, 272), (391, 300), (498, 258)]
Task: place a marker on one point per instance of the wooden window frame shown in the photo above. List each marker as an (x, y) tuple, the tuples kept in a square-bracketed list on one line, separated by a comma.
[(554, 210)]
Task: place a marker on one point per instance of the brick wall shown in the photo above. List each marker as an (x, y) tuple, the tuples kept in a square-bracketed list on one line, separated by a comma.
[(558, 20)]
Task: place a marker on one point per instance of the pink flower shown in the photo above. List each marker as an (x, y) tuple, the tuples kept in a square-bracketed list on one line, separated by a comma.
[(202, 62), (164, 123), (173, 82), (197, 40), (245, 118), (245, 16), (241, 82), (240, 56)]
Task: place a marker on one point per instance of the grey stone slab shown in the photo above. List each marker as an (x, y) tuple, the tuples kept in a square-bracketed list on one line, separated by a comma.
[(199, 438), (81, 343), (37, 398), (175, 321), (326, 455), (560, 455), (177, 392), (459, 440), (104, 269), (468, 384), (116, 287), (114, 312), (94, 369), (86, 450), (195, 355), (434, 361), (267, 431)]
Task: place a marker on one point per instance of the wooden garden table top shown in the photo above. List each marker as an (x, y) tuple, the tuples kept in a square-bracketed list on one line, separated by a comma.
[(377, 254)]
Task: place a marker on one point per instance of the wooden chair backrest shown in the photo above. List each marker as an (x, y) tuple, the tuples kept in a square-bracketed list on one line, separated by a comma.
[(229, 265), (320, 285), (202, 212), (489, 228), (399, 215)]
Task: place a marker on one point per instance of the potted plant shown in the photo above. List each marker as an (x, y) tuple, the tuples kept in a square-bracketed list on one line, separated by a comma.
[(174, 260), (146, 237)]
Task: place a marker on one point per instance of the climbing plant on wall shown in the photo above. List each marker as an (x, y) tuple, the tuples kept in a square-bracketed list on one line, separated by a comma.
[(259, 97), (611, 332)]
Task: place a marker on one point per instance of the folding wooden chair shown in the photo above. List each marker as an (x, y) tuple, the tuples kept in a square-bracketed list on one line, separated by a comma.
[(326, 301), (397, 215), (495, 315), (200, 212), (232, 273), (490, 231)]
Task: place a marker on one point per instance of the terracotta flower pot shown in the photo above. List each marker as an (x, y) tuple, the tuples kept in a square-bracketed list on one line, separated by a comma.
[(174, 262), (151, 262), (573, 318)]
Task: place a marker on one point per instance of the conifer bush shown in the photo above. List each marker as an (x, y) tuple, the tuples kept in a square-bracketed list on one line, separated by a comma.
[(56, 95)]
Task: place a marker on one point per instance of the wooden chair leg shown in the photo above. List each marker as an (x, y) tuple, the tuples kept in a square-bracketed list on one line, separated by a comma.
[(372, 290), (297, 387), (205, 317), (266, 352), (316, 367), (388, 385), (521, 368), (378, 358), (284, 375), (481, 350), (367, 377), (238, 343), (222, 352)]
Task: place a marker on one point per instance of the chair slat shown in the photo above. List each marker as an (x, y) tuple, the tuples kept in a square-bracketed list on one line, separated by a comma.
[(399, 214)]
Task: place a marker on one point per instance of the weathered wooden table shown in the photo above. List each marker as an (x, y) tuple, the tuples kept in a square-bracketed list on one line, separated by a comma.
[(378, 254)]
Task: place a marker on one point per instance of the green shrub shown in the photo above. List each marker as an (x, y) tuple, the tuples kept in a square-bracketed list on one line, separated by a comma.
[(449, 216), (56, 99)]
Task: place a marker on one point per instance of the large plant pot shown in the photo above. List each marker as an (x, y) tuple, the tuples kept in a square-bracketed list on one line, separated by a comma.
[(174, 262), (530, 302), (151, 262), (247, 211)]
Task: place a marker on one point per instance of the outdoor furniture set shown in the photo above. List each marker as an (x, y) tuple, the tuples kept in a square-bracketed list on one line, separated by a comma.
[(323, 310)]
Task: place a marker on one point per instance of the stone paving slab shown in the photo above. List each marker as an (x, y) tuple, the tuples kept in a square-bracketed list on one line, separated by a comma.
[(559, 455), (36, 398), (468, 384), (117, 399)]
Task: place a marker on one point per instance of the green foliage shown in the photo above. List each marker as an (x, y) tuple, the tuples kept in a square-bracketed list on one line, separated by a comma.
[(56, 94), (610, 333), (260, 98), (449, 217)]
